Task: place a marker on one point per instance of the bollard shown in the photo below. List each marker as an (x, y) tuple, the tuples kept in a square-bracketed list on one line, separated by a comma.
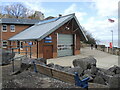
[(13, 64), (30, 52), (35, 68), (82, 83)]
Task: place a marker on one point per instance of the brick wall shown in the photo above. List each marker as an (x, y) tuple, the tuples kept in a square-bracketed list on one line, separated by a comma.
[(8, 34), (60, 30)]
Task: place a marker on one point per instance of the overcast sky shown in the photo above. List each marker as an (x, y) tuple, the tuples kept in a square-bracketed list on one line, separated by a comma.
[(91, 15)]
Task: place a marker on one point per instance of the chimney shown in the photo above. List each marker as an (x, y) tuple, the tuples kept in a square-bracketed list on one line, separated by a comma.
[(60, 15)]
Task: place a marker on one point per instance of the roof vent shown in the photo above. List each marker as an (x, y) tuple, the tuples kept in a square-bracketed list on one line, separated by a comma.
[(60, 15)]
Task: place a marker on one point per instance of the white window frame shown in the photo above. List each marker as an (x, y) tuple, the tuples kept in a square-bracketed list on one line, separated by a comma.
[(12, 29), (3, 43), (21, 45), (6, 28)]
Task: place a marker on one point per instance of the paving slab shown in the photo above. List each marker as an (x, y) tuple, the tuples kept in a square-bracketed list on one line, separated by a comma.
[(104, 60)]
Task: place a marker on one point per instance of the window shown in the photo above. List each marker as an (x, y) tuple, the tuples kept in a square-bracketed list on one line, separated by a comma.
[(21, 44), (4, 44), (4, 28), (12, 28), (18, 44)]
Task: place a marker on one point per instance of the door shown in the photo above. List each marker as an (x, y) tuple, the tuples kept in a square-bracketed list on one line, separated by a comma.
[(48, 52), (65, 45)]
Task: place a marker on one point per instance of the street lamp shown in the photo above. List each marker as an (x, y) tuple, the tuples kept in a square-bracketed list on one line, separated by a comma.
[(112, 41)]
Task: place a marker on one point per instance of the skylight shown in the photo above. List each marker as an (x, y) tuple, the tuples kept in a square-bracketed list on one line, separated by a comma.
[(47, 21)]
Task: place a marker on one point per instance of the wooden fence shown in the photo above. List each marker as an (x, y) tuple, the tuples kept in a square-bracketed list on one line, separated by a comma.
[(115, 51), (63, 76)]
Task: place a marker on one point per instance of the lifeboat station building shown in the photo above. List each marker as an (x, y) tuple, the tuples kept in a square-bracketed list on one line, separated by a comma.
[(52, 38)]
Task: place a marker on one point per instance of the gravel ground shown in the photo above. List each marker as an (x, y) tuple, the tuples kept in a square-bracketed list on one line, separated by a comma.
[(30, 79)]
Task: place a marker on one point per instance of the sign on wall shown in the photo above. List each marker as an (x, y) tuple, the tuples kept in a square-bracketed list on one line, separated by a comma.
[(30, 43), (48, 39)]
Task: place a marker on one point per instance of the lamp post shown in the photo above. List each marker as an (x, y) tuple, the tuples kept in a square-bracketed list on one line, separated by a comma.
[(112, 41), (111, 21)]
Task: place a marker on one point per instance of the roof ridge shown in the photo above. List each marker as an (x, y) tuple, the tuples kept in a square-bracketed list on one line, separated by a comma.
[(55, 19), (68, 15), (21, 19)]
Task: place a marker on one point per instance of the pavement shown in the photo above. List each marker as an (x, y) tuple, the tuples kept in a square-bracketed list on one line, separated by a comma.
[(104, 60)]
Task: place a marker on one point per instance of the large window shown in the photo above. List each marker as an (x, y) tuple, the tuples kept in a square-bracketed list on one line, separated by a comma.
[(20, 44), (4, 44), (12, 28), (4, 28)]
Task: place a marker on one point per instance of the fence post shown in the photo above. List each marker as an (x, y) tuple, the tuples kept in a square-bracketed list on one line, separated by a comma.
[(26, 51), (35, 67), (30, 52), (19, 50), (13, 62)]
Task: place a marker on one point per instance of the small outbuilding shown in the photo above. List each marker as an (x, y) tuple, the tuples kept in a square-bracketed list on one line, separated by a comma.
[(53, 38)]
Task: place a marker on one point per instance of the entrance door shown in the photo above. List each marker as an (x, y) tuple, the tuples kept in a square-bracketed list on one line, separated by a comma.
[(48, 52)]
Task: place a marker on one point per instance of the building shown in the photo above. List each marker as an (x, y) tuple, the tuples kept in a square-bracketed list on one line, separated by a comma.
[(53, 38), (12, 26), (39, 15)]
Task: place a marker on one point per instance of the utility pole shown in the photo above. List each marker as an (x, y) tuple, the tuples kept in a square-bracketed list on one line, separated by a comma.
[(112, 41)]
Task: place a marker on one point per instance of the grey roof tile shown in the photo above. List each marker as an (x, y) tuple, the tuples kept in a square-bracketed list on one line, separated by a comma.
[(41, 30), (19, 21)]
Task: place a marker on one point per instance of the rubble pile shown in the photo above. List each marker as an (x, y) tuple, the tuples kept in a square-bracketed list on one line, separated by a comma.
[(86, 67), (110, 77)]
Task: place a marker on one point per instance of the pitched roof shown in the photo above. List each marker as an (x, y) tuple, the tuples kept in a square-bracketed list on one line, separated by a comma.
[(19, 21), (44, 28)]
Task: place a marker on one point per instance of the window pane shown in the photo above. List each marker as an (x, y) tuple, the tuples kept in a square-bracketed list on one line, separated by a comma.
[(12, 27), (5, 27), (4, 43), (21, 46)]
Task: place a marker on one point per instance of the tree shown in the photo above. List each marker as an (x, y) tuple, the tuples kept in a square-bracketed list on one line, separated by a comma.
[(17, 10), (37, 15), (91, 39), (1, 12)]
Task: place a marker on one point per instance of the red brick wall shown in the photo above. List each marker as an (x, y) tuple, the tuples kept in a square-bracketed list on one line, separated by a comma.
[(8, 34), (33, 48), (54, 40)]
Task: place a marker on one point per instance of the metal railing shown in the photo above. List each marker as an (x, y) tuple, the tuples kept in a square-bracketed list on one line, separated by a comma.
[(16, 58)]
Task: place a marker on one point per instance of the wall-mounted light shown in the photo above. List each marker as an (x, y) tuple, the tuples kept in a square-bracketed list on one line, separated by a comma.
[(67, 28)]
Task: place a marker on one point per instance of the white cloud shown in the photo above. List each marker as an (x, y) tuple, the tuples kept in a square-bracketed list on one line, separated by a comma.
[(102, 29), (99, 25), (70, 9), (107, 7), (37, 6), (73, 9)]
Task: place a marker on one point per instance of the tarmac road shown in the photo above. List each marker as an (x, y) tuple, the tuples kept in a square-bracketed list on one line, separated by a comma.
[(104, 60)]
